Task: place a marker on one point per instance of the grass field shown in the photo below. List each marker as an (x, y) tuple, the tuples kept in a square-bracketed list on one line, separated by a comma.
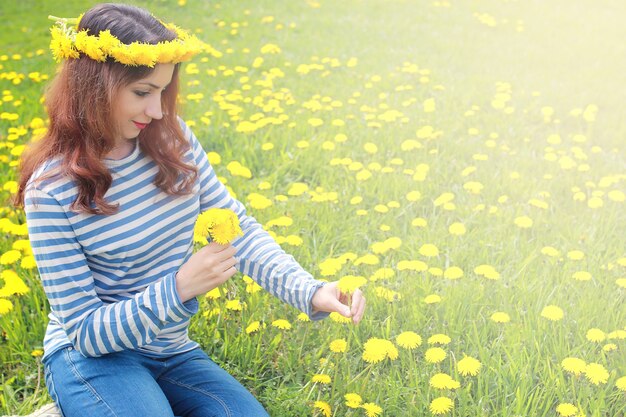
[(465, 157)]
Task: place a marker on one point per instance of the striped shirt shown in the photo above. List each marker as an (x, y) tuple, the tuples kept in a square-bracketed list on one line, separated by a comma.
[(111, 279)]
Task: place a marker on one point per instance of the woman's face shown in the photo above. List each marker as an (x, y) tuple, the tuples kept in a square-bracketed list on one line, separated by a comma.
[(139, 102)]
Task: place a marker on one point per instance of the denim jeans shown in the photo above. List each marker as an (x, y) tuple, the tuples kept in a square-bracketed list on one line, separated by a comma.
[(129, 384)]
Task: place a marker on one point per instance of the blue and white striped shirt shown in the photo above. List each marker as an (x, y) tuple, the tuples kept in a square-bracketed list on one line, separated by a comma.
[(110, 279)]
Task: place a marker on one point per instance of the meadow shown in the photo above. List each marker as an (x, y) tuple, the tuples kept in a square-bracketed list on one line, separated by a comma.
[(463, 161)]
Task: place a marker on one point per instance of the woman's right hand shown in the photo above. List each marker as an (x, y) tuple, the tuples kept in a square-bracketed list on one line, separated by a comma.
[(205, 270)]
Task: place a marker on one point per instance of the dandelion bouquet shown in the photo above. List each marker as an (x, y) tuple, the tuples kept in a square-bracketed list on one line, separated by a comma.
[(217, 225)]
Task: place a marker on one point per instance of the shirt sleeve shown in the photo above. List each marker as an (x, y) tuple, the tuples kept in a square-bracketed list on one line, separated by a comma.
[(94, 328), (258, 255)]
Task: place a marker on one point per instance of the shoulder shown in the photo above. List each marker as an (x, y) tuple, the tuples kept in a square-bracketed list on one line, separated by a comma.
[(49, 179)]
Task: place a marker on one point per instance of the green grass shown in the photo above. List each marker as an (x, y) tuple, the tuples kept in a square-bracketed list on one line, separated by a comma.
[(560, 55)]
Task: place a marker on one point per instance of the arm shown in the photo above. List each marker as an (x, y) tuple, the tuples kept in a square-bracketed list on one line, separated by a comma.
[(258, 255), (93, 327)]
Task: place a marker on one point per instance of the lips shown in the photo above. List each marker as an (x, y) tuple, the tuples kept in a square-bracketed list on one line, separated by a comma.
[(140, 126)]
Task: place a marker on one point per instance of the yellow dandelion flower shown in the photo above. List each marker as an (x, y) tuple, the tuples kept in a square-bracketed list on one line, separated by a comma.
[(435, 355), (439, 339), (350, 283), (36, 353), (323, 407), (409, 340), (376, 350), (429, 250), (550, 251), (566, 410), (552, 313), (500, 317), (453, 272), (10, 257), (303, 317), (432, 299), (372, 409), (253, 327), (5, 306), (609, 347), (581, 276), (595, 335), (576, 255), (28, 262), (281, 324), (621, 383), (443, 381), (13, 284), (596, 373), (441, 405), (523, 222), (214, 294), (338, 345), (338, 318), (353, 400), (468, 366), (234, 305), (321, 379), (487, 271), (621, 282), (220, 225), (574, 365), (457, 229)]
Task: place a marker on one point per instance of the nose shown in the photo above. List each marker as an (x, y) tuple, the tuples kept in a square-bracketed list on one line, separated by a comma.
[(154, 110)]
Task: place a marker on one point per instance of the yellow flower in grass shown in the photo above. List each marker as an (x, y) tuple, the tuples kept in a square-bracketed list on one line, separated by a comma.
[(621, 383), (323, 407), (376, 350), (432, 299), (303, 317), (13, 284), (372, 410), (5, 306), (10, 257), (350, 283), (253, 327), (453, 272), (353, 400), (468, 366), (500, 317), (409, 340), (435, 355), (234, 305), (574, 365), (439, 339), (36, 353), (596, 335), (443, 381), (457, 229), (552, 313), (566, 409), (441, 405), (281, 324), (596, 373), (523, 222), (28, 262), (220, 225), (338, 345), (338, 318), (581, 276), (487, 271), (609, 347), (429, 250), (321, 379)]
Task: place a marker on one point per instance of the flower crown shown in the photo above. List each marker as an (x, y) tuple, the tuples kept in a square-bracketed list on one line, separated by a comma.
[(68, 43)]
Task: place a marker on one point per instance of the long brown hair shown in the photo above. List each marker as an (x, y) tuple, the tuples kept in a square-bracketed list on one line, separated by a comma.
[(79, 103)]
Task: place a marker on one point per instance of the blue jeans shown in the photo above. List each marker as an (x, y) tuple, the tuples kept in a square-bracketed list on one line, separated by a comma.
[(129, 384)]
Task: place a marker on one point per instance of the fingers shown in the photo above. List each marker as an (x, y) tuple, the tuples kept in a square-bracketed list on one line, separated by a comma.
[(358, 306)]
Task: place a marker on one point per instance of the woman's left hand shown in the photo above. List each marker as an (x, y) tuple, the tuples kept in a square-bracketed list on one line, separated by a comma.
[(330, 299)]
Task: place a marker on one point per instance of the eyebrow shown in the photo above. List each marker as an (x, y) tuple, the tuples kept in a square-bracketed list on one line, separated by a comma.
[(153, 85)]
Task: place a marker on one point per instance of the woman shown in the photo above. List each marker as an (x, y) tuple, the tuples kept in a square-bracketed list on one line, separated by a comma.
[(111, 195)]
